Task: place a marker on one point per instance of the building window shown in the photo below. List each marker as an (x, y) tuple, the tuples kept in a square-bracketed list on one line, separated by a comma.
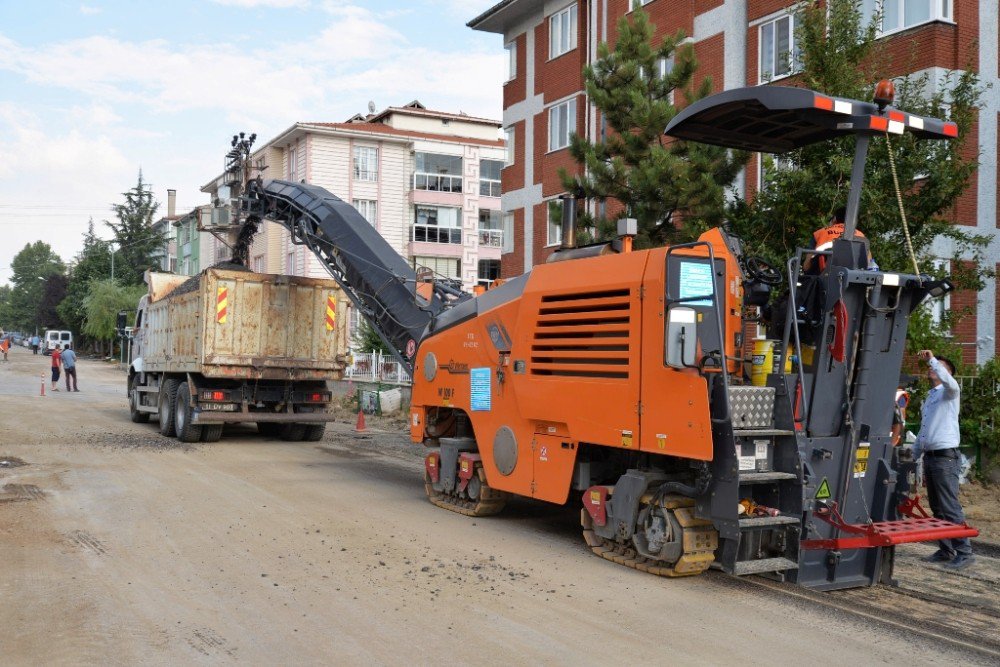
[(780, 56), (562, 32), (554, 236), (490, 228), (511, 61), (489, 270), (508, 233), (443, 267), (258, 264), (902, 14), (368, 208), (440, 173), (941, 305), (365, 163), (562, 123), (770, 165), (508, 156), (437, 224), (290, 262), (489, 177), (293, 164)]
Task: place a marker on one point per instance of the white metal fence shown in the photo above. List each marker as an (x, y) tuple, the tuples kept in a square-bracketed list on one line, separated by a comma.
[(376, 367)]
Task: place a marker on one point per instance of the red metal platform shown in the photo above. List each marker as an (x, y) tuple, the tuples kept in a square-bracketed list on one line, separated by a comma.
[(917, 527)]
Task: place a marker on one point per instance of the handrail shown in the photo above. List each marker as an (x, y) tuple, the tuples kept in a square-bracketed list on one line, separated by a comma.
[(792, 325), (718, 312)]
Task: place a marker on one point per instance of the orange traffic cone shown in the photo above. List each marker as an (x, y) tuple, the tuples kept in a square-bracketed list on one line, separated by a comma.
[(360, 427)]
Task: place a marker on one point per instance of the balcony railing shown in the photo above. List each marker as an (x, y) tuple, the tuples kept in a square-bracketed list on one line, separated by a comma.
[(488, 188), (491, 238), (435, 234), (437, 182)]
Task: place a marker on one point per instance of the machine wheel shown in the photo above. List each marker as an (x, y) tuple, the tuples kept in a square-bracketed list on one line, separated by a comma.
[(211, 432), (269, 429), (138, 416), (488, 501), (186, 431), (698, 541), (293, 432), (168, 407), (314, 432)]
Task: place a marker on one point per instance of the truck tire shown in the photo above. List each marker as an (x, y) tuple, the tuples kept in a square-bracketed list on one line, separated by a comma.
[(133, 402), (168, 407), (269, 429), (314, 432), (293, 432), (211, 432), (186, 431)]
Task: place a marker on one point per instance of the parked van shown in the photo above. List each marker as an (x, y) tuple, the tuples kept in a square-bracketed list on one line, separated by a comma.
[(60, 338)]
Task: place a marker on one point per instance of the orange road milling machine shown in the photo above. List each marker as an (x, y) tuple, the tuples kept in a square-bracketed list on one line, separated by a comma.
[(617, 376)]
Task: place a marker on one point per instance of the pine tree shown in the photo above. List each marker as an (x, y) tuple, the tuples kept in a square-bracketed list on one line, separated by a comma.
[(674, 189), (93, 262), (135, 240)]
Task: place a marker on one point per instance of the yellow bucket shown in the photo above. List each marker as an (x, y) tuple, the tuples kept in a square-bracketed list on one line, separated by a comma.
[(763, 361)]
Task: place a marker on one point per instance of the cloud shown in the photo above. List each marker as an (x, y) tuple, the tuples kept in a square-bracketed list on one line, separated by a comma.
[(252, 4), (89, 11)]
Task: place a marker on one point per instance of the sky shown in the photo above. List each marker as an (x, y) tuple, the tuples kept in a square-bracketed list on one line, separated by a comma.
[(91, 93)]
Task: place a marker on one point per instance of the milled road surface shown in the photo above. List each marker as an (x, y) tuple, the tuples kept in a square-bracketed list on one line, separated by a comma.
[(118, 546)]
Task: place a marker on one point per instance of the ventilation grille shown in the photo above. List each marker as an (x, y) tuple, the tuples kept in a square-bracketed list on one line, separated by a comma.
[(582, 335)]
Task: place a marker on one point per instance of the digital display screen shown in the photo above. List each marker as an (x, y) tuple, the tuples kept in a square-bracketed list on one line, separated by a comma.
[(696, 280)]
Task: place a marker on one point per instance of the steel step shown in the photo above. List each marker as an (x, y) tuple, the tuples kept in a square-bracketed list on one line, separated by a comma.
[(764, 565), (769, 521), (764, 477), (753, 432)]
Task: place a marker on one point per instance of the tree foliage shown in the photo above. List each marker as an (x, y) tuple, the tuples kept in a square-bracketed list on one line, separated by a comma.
[(136, 242), (31, 268), (93, 262), (366, 340), (53, 292), (102, 303), (674, 189), (842, 57)]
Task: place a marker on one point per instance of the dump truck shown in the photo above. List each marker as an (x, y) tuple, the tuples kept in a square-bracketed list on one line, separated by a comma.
[(232, 346), (617, 379)]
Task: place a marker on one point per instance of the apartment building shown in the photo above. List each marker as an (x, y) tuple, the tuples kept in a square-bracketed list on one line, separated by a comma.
[(738, 43), (165, 256), (428, 181)]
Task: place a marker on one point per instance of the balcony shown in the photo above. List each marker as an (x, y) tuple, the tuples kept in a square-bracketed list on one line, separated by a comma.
[(437, 182), (435, 234), (489, 188), (490, 238)]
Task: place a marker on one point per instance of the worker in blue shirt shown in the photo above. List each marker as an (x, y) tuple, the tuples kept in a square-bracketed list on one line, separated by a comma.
[(938, 443)]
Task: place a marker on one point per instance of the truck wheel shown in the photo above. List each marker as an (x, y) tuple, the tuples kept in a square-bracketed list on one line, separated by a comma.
[(211, 432), (168, 401), (314, 432), (186, 431), (269, 429), (293, 432), (134, 400)]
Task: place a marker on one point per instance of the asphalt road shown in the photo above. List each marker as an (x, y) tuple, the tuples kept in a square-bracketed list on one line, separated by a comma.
[(118, 546)]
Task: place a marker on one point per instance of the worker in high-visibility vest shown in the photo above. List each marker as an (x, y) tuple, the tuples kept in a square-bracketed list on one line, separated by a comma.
[(823, 240)]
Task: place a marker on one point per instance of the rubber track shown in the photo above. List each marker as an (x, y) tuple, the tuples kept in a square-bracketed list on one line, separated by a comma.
[(700, 540), (490, 500)]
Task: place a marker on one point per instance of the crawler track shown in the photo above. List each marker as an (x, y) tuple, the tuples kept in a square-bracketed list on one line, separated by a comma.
[(489, 502), (700, 541)]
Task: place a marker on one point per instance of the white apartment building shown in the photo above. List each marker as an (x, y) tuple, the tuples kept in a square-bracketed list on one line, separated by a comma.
[(429, 182)]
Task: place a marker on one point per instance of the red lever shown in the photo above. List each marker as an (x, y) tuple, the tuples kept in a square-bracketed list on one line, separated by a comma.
[(838, 348)]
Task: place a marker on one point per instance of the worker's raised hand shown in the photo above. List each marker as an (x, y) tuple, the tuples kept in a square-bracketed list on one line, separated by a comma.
[(925, 355)]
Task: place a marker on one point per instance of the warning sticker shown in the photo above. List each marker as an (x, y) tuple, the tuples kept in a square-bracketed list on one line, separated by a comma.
[(479, 378), (748, 463), (661, 440), (861, 460), (823, 492), (626, 438)]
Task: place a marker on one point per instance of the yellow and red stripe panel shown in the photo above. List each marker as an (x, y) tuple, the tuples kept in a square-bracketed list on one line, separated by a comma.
[(331, 313), (221, 304)]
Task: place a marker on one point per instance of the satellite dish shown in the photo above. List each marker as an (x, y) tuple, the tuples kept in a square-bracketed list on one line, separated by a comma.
[(371, 106)]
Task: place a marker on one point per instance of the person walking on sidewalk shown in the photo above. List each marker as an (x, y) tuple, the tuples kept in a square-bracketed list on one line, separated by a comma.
[(56, 360), (938, 443), (68, 358), (35, 342)]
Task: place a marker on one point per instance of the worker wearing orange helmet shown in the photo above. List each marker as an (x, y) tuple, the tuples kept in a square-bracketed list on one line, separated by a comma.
[(823, 239)]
